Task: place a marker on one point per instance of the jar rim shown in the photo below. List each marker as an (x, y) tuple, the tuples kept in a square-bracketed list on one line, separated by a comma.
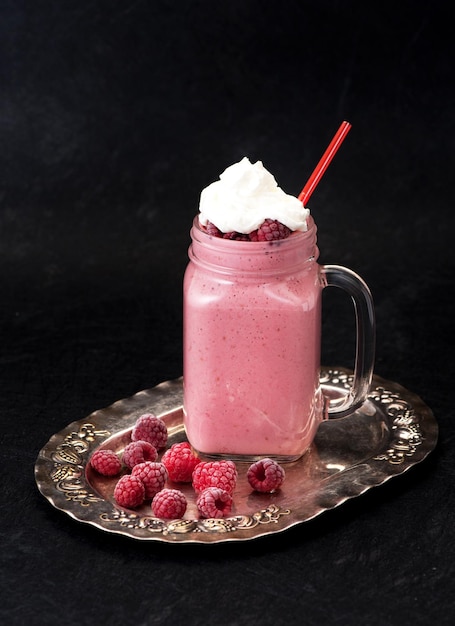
[(246, 258)]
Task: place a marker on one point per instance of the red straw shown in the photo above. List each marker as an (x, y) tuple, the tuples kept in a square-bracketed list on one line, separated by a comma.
[(324, 162)]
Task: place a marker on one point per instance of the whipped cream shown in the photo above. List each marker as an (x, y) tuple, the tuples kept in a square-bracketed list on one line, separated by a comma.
[(245, 196)]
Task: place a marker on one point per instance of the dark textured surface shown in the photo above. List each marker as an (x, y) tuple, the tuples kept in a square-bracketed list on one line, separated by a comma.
[(114, 115)]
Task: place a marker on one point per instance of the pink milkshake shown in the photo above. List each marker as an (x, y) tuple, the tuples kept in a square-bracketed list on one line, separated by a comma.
[(252, 345), (252, 321)]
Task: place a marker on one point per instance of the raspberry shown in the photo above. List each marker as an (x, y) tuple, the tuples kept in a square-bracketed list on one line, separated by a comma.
[(270, 230), (106, 462), (129, 491), (214, 502), (180, 462), (150, 428), (137, 452), (265, 475), (212, 230), (235, 235), (169, 504), (222, 474), (153, 476)]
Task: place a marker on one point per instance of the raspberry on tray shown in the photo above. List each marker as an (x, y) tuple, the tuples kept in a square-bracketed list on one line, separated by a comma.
[(129, 492), (106, 463), (222, 474), (214, 502), (266, 475), (153, 476), (169, 504), (180, 462), (150, 428), (137, 452)]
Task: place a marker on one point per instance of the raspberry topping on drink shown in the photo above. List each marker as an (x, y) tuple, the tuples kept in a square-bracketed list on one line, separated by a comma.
[(269, 230), (106, 463), (129, 492), (222, 474), (152, 475), (246, 203), (150, 428), (138, 452), (214, 502), (169, 504), (180, 462), (266, 475)]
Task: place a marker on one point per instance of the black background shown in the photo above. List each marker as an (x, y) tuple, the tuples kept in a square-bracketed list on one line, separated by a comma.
[(114, 116)]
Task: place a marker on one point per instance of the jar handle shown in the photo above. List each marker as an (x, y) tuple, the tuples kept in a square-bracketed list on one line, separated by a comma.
[(354, 285)]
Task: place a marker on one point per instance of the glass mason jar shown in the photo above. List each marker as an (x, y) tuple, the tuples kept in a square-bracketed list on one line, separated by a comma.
[(251, 345)]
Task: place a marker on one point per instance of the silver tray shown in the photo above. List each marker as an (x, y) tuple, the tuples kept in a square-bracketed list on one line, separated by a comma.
[(391, 432)]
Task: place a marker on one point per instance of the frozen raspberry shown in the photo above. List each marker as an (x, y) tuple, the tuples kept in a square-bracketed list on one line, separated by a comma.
[(137, 452), (212, 230), (270, 230), (169, 504), (106, 463), (222, 474), (214, 502), (150, 428), (180, 462), (153, 476), (265, 475), (236, 236), (129, 492)]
